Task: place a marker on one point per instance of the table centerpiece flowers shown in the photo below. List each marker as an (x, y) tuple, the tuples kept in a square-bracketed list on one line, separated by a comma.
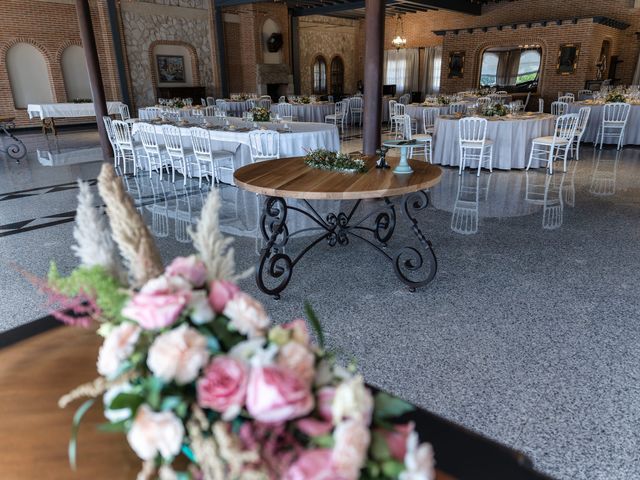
[(616, 96), (304, 100), (495, 110), (260, 114), (196, 376), (338, 162)]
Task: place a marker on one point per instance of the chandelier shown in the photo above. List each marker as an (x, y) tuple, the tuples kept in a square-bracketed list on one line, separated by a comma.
[(399, 40)]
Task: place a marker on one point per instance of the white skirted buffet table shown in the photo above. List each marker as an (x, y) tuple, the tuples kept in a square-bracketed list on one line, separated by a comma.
[(47, 112)]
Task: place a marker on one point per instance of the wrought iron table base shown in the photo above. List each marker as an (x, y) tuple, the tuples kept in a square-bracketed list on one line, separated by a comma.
[(415, 267), (16, 149)]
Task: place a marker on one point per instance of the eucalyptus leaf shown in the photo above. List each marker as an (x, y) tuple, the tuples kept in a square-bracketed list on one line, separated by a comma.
[(113, 427), (379, 448), (387, 406), (170, 403), (126, 400), (75, 425), (392, 468)]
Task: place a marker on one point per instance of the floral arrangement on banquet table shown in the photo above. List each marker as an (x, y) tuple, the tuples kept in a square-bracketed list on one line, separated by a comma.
[(193, 371), (339, 162), (260, 114), (616, 97), (495, 110)]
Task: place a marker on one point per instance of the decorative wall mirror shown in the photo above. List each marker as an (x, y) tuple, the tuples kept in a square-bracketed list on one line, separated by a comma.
[(456, 65), (568, 58), (514, 69)]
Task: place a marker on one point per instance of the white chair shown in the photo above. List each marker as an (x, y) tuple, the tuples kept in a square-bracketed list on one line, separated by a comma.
[(473, 142), (567, 98), (457, 107), (117, 153), (526, 101), (265, 103), (614, 123), (405, 99), (399, 110), (583, 119), (585, 94), (156, 159), (158, 208), (429, 116), (208, 161), (123, 109), (264, 145), (464, 219), (541, 105), (149, 113), (179, 157), (203, 102), (250, 104), (210, 101), (285, 110), (392, 109), (405, 122), (483, 101), (559, 108), (131, 151), (340, 114), (556, 147), (356, 109), (282, 99)]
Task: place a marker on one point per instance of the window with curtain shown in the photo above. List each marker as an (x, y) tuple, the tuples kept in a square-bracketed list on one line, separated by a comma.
[(396, 70), (319, 76), (337, 76), (401, 68), (514, 69), (489, 71), (529, 66)]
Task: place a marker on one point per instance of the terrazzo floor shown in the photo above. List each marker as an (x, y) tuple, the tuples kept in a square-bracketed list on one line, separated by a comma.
[(529, 333)]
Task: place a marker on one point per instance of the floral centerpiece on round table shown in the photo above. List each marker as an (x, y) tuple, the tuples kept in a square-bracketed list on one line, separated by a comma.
[(260, 114), (192, 367), (304, 100), (324, 159), (616, 96), (495, 110)]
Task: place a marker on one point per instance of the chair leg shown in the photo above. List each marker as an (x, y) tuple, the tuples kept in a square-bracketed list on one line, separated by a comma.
[(533, 147)]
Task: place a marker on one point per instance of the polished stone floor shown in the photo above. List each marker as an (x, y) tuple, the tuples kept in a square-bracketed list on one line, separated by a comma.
[(529, 333)]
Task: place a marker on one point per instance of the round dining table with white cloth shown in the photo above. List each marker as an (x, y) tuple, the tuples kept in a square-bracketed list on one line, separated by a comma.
[(309, 112), (632, 131), (303, 137), (234, 108), (511, 135)]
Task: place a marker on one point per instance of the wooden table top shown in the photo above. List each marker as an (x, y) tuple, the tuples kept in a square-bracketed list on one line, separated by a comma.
[(291, 178)]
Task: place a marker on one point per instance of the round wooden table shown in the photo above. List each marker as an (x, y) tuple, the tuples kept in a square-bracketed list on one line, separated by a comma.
[(291, 178)]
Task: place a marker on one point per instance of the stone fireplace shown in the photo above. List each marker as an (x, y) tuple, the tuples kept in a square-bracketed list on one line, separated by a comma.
[(274, 79)]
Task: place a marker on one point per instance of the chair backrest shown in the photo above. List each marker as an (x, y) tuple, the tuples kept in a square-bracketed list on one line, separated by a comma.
[(583, 118), (148, 137), (208, 111), (149, 113), (173, 140), (210, 101), (250, 104), (457, 107), (330, 98), (108, 126), (342, 107), (567, 98), (122, 134), (541, 105), (355, 104), (265, 103), (221, 102), (566, 127), (124, 112), (392, 107), (203, 102), (264, 144), (429, 117), (483, 101), (285, 109), (405, 126), (398, 109), (584, 92), (559, 108), (472, 130), (201, 142), (496, 98), (282, 99), (405, 99), (616, 113)]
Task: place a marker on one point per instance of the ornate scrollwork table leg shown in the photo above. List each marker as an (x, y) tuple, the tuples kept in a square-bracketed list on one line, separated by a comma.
[(16, 149), (274, 264)]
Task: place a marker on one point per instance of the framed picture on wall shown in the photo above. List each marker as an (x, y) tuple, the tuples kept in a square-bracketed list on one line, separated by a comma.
[(456, 64), (170, 68), (568, 58)]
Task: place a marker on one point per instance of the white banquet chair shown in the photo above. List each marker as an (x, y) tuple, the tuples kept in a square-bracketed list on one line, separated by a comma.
[(584, 94), (483, 101), (407, 134), (206, 160), (614, 123), (556, 147), (285, 110), (179, 157), (117, 153), (473, 142), (559, 108), (516, 106), (282, 99), (210, 101), (131, 151), (123, 110), (355, 107), (339, 116), (583, 119), (264, 145), (541, 105), (457, 107), (405, 99), (265, 103), (156, 159), (568, 98), (429, 116)]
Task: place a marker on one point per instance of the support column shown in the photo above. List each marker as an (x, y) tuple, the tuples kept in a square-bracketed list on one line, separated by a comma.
[(373, 53), (95, 77), (222, 54), (294, 33), (116, 34)]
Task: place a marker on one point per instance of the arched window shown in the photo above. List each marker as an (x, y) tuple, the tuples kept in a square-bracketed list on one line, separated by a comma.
[(320, 75), (337, 76), (489, 71), (28, 75), (74, 73)]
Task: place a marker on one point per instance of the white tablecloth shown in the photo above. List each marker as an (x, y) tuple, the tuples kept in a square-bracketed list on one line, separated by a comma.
[(512, 138), (631, 134), (235, 108), (312, 112), (68, 110), (304, 136)]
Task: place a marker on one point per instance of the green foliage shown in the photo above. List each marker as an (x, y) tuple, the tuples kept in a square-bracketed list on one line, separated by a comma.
[(323, 441), (616, 97), (386, 407), (261, 114), (75, 426), (495, 110), (339, 162), (315, 323), (379, 449), (109, 294)]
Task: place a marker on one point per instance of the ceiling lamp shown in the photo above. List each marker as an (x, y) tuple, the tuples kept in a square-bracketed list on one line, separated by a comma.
[(399, 40)]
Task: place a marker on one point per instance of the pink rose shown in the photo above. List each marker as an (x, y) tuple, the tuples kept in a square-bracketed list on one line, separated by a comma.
[(299, 331), (178, 355), (397, 439), (221, 291), (351, 442), (276, 395), (158, 304), (247, 315), (190, 268), (117, 347), (325, 400), (313, 427), (223, 387), (297, 358), (312, 465)]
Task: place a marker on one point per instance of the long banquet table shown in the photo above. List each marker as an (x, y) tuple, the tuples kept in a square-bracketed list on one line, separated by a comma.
[(512, 136), (303, 136), (631, 134), (310, 112), (68, 110)]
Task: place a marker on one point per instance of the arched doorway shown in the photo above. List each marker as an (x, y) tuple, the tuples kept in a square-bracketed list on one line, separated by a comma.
[(337, 76), (320, 75)]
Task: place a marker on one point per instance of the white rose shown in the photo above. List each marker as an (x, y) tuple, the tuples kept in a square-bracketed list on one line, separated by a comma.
[(201, 311), (351, 442), (418, 460), (297, 358), (352, 400), (178, 355), (247, 315), (119, 414), (154, 433), (116, 348)]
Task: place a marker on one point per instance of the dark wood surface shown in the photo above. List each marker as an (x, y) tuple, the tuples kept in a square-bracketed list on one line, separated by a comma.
[(291, 178)]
